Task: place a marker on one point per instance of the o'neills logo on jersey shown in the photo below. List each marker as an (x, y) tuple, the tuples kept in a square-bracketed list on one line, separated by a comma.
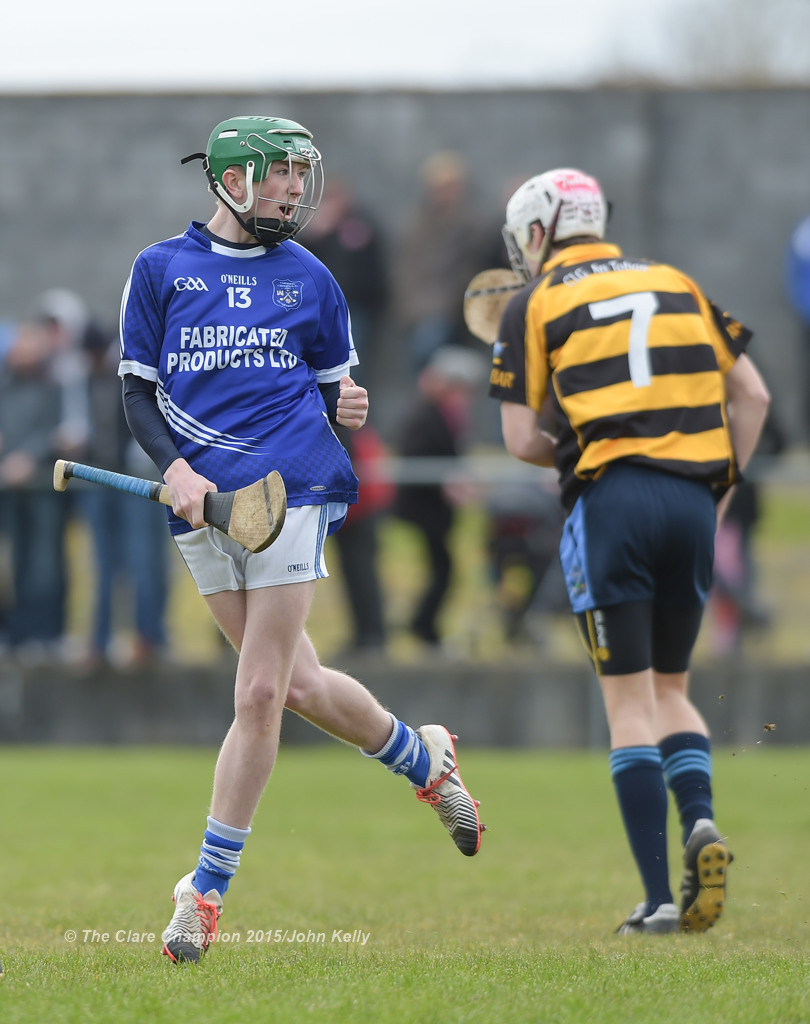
[(190, 284), (288, 294)]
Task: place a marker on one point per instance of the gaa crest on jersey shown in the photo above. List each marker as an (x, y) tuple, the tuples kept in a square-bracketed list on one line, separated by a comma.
[(287, 293)]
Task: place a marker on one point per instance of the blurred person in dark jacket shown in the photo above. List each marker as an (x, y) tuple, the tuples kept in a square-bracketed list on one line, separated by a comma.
[(357, 541), (437, 425), (128, 534), (347, 239), (445, 245), (34, 516), (734, 601)]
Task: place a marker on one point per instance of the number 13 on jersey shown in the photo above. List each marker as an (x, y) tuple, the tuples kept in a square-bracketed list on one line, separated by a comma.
[(239, 298)]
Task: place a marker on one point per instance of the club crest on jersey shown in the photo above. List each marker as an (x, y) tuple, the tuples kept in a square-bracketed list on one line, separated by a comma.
[(287, 294)]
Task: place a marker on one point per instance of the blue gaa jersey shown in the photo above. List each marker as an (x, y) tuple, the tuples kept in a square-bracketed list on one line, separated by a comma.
[(237, 341)]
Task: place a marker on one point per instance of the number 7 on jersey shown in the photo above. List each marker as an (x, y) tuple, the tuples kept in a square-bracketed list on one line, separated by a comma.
[(641, 306)]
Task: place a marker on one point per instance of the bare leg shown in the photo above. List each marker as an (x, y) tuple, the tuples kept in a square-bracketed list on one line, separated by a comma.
[(266, 626), (674, 710), (631, 710), (336, 703), (644, 707), (340, 706)]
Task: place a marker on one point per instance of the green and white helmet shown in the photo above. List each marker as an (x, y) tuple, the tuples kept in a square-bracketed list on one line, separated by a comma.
[(254, 143), (565, 202)]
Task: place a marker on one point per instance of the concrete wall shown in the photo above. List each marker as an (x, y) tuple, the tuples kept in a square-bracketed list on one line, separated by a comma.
[(711, 181), (511, 707)]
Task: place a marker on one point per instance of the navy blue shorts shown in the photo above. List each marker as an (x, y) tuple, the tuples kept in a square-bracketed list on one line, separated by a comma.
[(637, 552)]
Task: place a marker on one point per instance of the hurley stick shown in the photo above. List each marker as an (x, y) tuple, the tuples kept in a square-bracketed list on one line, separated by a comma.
[(489, 292), (486, 298), (253, 516)]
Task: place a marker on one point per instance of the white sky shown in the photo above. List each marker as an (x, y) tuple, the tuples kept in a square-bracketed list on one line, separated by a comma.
[(155, 45), (189, 45)]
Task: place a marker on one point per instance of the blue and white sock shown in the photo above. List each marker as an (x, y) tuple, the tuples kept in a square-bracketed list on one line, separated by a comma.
[(404, 754), (219, 856)]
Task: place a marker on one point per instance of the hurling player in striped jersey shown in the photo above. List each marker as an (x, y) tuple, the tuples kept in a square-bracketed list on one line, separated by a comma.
[(236, 359), (622, 374)]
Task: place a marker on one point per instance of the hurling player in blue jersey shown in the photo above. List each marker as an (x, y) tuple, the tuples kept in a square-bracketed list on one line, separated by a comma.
[(621, 374), (236, 354)]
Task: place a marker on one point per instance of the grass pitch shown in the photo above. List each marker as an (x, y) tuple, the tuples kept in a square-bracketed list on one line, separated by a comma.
[(352, 904)]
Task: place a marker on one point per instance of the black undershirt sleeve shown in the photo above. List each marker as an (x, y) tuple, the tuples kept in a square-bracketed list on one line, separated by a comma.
[(146, 422), (330, 394)]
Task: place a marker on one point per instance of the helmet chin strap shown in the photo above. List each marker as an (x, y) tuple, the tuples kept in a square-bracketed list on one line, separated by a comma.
[(548, 239), (269, 231)]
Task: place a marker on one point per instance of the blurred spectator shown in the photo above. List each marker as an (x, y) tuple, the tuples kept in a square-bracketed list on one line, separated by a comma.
[(797, 282), (437, 425), (734, 601), (34, 516), (66, 317), (129, 536), (525, 526), (8, 332), (357, 541), (44, 416), (347, 240), (447, 242), (60, 397)]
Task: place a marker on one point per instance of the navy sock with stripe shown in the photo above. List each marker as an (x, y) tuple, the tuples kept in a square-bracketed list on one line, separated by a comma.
[(687, 763), (642, 794)]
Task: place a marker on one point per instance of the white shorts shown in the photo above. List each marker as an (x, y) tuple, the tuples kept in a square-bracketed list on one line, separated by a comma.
[(218, 563)]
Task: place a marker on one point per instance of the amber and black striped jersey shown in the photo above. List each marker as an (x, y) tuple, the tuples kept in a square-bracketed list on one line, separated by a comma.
[(632, 355)]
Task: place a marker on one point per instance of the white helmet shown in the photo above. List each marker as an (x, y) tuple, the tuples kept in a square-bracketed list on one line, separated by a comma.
[(565, 202)]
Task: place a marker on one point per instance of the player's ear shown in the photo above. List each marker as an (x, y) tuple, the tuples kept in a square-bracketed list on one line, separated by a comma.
[(537, 236), (234, 182)]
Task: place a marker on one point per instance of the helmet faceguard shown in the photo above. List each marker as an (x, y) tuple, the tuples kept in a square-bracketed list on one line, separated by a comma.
[(254, 144), (566, 203)]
